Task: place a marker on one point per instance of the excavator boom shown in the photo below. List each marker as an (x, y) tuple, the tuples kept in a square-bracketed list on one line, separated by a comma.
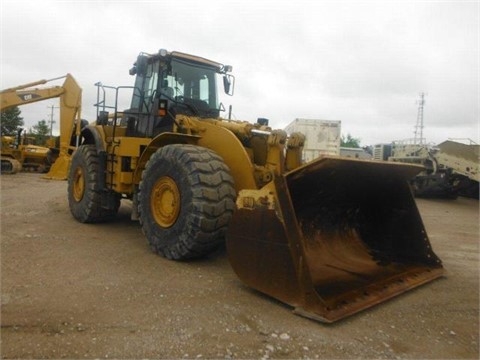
[(70, 96), (13, 97)]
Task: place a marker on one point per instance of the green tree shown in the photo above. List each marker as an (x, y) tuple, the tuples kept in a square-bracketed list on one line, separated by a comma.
[(349, 141), (41, 131), (10, 121)]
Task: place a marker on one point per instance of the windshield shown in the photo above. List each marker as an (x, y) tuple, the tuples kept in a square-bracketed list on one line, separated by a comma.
[(193, 85), (191, 88)]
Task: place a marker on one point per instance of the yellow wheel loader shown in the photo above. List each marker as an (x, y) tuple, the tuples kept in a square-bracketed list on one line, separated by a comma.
[(330, 237)]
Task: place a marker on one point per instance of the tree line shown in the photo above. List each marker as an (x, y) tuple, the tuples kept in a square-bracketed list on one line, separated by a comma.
[(11, 121)]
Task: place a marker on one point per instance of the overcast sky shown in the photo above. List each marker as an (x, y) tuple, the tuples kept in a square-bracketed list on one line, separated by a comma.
[(361, 62)]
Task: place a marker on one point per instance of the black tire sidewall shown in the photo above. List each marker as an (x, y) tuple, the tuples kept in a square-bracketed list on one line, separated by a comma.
[(207, 199), (79, 159), (97, 204), (172, 168)]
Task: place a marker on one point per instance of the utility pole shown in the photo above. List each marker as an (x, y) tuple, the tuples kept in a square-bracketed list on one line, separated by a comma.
[(419, 126), (51, 119)]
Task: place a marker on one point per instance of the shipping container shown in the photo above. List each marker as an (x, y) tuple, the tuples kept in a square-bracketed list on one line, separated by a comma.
[(322, 137)]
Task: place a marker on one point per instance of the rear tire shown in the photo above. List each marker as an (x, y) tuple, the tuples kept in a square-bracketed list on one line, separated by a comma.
[(89, 202), (186, 200)]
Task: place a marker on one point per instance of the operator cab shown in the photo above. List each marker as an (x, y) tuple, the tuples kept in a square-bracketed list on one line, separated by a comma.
[(171, 83)]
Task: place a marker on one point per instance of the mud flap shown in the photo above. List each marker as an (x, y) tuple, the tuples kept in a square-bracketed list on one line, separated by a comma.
[(332, 237)]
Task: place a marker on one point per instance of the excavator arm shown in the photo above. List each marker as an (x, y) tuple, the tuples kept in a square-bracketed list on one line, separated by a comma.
[(17, 96), (70, 96)]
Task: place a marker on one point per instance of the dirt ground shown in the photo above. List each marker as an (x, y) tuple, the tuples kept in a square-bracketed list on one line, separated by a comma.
[(71, 290)]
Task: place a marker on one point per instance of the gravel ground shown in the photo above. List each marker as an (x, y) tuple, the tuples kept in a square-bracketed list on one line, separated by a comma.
[(71, 290)]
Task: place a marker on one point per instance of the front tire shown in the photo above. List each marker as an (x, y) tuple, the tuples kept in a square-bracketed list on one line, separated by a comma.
[(186, 199), (89, 202)]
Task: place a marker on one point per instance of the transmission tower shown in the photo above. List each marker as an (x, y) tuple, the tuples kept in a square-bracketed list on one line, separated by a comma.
[(419, 126), (51, 121)]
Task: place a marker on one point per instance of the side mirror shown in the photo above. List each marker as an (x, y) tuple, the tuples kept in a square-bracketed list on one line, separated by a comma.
[(228, 84)]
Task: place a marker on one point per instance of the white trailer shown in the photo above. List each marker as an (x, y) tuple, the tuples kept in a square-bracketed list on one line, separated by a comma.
[(322, 137)]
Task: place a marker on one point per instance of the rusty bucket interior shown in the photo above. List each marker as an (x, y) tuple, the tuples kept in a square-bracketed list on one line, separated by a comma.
[(341, 236)]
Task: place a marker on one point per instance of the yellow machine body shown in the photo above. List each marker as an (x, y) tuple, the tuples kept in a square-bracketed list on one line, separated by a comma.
[(330, 238)]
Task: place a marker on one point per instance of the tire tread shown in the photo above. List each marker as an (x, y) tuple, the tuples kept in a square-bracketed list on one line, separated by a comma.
[(212, 203)]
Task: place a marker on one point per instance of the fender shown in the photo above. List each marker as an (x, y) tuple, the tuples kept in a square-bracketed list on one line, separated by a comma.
[(162, 139), (213, 137), (91, 135)]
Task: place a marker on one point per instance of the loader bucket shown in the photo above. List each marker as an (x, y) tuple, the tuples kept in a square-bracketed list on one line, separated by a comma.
[(332, 237)]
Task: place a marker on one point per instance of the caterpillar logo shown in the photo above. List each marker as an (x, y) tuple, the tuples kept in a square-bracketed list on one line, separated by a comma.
[(28, 96)]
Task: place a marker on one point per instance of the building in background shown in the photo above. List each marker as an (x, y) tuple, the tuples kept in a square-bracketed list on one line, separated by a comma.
[(322, 137)]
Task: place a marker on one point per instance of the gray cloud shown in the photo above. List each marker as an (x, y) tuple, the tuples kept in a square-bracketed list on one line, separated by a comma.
[(360, 62)]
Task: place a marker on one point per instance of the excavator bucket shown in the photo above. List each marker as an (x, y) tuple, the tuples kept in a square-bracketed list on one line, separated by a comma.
[(59, 169), (333, 237)]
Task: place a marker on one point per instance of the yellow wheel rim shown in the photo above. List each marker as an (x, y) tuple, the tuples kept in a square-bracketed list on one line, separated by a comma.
[(78, 184), (165, 202)]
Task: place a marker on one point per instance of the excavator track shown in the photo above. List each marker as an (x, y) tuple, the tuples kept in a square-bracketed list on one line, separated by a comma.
[(10, 166)]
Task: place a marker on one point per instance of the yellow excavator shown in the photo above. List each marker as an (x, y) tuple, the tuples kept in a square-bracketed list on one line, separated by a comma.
[(14, 156), (330, 237), (10, 155), (20, 152)]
